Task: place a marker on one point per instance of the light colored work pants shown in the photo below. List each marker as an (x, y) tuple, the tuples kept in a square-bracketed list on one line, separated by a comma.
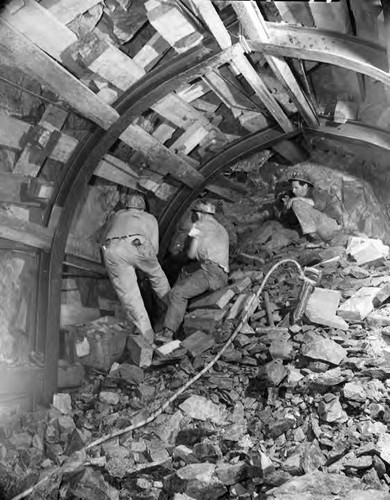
[(122, 258), (312, 220), (208, 277)]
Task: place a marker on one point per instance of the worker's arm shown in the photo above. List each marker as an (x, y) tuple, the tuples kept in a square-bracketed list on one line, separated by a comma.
[(290, 201), (194, 233)]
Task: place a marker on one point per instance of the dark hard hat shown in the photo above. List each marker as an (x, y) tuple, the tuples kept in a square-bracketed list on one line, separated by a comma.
[(204, 206), (301, 177), (135, 201)]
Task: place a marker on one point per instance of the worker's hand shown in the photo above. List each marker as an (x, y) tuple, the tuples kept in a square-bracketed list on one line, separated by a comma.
[(287, 202)]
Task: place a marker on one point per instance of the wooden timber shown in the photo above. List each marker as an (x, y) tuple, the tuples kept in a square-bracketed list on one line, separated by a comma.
[(160, 156), (40, 27), (25, 232), (67, 10), (256, 29), (35, 62), (241, 63)]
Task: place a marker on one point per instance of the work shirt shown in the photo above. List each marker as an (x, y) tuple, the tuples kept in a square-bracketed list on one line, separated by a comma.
[(213, 242), (131, 222), (325, 204)]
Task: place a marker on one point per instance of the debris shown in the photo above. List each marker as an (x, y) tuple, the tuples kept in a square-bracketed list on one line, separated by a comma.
[(322, 306), (206, 320), (131, 373), (201, 408), (324, 350), (215, 300), (109, 398), (366, 250), (359, 305), (198, 342), (141, 352), (63, 402), (169, 347)]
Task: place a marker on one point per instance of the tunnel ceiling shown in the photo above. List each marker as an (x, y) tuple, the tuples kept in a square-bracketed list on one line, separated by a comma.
[(161, 96)]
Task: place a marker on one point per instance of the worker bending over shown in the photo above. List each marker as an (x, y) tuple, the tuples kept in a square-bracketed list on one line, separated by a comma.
[(132, 243), (209, 245), (318, 215)]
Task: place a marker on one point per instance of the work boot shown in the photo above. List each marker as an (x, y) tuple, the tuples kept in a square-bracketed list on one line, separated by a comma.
[(165, 336)]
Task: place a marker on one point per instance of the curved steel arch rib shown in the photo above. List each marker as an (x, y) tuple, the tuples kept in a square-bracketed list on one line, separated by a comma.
[(325, 46)]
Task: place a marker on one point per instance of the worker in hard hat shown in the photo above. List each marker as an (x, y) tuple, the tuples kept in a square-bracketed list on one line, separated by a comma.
[(209, 245), (132, 243), (319, 215)]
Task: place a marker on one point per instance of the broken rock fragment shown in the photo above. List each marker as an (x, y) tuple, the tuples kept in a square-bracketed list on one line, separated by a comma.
[(324, 350), (354, 391), (200, 408), (330, 410), (196, 480)]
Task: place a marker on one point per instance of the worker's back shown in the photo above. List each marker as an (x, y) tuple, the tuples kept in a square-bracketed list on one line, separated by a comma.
[(132, 222), (213, 241)]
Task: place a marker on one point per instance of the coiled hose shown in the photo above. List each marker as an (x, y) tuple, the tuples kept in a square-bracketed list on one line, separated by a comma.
[(244, 318)]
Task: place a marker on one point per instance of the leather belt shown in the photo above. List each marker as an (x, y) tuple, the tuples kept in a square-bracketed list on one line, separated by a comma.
[(108, 241)]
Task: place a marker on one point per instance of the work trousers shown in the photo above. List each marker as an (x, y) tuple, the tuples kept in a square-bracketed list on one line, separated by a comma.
[(122, 258), (312, 220), (209, 276)]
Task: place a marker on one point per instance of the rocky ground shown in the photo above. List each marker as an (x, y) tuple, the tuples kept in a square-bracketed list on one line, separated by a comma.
[(288, 412)]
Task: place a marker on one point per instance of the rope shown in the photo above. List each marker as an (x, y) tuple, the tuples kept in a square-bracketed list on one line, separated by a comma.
[(244, 318)]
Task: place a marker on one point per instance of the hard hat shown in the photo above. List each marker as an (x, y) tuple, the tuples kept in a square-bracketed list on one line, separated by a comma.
[(301, 177), (135, 201), (204, 206)]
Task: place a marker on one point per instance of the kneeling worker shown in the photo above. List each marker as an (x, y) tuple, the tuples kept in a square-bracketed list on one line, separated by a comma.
[(132, 243), (209, 245), (318, 215)]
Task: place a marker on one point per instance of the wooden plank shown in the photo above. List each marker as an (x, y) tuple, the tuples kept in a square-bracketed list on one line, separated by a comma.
[(230, 95), (386, 17), (107, 61), (173, 25), (154, 183), (40, 27), (151, 52), (25, 232), (210, 16), (261, 90), (164, 132), (160, 156), (12, 131), (193, 91), (346, 51), (190, 139), (256, 29), (67, 10), (115, 170), (179, 112), (35, 62), (206, 10), (10, 187)]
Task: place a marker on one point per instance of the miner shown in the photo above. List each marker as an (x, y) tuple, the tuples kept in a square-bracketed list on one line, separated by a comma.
[(209, 246), (318, 214), (132, 243)]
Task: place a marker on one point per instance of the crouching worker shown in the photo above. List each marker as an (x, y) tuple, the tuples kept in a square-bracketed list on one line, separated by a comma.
[(209, 245), (318, 215), (132, 243)]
